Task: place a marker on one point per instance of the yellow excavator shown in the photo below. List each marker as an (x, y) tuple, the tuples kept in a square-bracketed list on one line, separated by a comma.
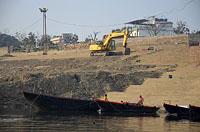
[(108, 46)]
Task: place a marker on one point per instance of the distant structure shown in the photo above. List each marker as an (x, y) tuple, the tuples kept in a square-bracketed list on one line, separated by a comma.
[(151, 26), (65, 38), (194, 46)]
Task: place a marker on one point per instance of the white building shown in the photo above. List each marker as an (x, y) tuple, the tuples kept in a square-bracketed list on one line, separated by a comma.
[(151, 27), (56, 39), (65, 38)]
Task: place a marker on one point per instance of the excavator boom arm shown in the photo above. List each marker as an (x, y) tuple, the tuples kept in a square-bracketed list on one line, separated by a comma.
[(116, 35)]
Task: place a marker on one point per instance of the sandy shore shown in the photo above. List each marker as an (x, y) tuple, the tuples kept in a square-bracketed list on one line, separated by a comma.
[(182, 88)]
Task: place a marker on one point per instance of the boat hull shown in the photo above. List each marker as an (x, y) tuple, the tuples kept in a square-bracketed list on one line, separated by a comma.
[(64, 105), (175, 109), (50, 103), (177, 112), (126, 108), (194, 112)]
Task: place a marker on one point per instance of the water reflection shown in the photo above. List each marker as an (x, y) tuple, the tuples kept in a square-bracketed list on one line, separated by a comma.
[(174, 118), (82, 122)]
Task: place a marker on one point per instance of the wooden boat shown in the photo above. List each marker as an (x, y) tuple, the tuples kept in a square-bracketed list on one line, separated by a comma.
[(194, 112), (47, 103), (177, 109), (59, 104), (126, 108)]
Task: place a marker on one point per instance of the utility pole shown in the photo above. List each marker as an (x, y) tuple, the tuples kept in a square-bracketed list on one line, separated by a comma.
[(45, 46)]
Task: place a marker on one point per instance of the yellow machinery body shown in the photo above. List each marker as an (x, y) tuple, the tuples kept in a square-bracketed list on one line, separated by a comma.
[(108, 44)]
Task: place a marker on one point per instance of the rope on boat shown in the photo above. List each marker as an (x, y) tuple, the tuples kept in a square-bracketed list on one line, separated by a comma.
[(12, 100), (100, 108), (34, 100), (97, 104), (31, 109)]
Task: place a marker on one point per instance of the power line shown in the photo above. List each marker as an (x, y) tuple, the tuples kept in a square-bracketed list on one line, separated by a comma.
[(175, 9), (120, 24), (31, 25), (109, 25), (86, 26)]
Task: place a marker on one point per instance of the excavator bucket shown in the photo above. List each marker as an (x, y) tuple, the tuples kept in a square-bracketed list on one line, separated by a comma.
[(127, 51)]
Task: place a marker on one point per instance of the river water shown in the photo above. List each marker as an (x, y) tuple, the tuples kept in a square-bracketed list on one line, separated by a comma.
[(94, 123)]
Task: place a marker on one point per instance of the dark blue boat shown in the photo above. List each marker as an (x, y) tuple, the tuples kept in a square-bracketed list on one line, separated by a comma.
[(59, 104), (180, 111), (194, 113), (47, 103)]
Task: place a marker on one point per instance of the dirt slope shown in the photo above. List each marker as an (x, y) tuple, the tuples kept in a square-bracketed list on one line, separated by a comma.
[(183, 88), (74, 73)]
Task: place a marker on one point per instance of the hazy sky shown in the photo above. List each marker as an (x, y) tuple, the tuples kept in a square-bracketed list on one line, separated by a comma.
[(97, 15)]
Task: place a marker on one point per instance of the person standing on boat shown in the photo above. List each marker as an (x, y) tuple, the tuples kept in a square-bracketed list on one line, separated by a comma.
[(106, 98), (141, 100)]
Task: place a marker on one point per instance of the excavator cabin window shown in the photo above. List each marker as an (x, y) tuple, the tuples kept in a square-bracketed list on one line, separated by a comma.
[(99, 42), (112, 45)]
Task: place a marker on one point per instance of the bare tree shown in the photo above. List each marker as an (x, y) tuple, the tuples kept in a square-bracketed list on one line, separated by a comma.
[(93, 36), (181, 28), (155, 29)]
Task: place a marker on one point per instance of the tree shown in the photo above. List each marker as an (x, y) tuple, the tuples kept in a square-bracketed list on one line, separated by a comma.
[(181, 28), (20, 36), (7, 40), (25, 42), (74, 38), (43, 40), (30, 42), (154, 29), (197, 32), (93, 37), (88, 39)]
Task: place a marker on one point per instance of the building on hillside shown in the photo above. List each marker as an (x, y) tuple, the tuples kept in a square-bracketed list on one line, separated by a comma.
[(151, 26), (56, 39), (65, 38)]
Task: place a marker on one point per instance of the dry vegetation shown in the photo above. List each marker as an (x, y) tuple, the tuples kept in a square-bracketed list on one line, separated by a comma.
[(170, 55)]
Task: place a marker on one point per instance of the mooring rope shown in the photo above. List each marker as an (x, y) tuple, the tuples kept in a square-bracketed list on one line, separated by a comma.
[(12, 100), (35, 99), (31, 110), (97, 104), (109, 104)]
